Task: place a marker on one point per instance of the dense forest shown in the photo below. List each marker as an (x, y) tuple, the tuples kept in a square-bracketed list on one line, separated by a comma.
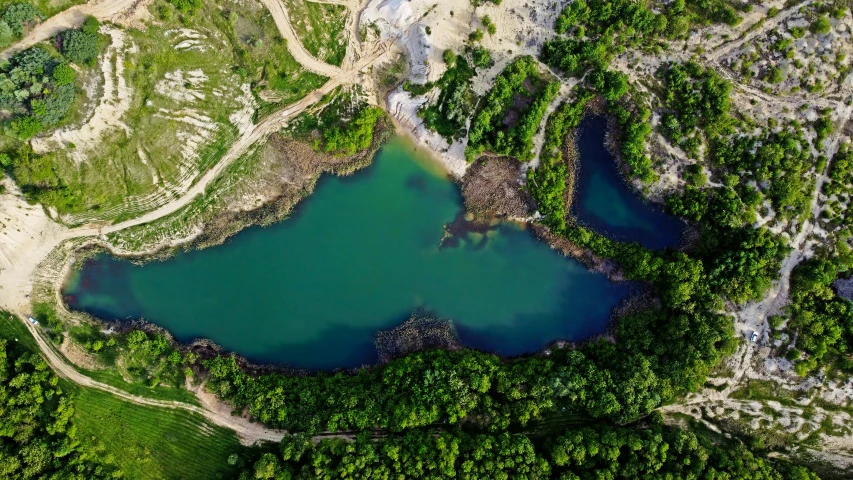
[(37, 439), (584, 453)]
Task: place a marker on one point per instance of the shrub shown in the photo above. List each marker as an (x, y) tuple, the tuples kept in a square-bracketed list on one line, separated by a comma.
[(481, 57), (80, 47), (63, 74), (7, 36), (17, 14), (356, 136), (449, 58), (821, 26), (187, 7), (90, 25), (490, 25), (26, 127)]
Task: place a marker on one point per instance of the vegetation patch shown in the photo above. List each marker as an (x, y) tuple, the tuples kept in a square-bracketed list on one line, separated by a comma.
[(511, 112), (320, 28), (448, 115)]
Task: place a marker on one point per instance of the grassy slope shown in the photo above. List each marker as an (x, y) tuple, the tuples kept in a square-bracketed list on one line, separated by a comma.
[(320, 27), (240, 45)]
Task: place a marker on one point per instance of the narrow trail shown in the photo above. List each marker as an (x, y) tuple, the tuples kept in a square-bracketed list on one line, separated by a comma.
[(248, 432), (35, 236)]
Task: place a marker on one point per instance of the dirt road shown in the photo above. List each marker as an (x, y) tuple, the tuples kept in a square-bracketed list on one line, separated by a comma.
[(294, 46)]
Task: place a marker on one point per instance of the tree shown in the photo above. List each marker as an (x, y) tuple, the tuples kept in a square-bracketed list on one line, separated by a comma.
[(80, 47), (18, 14), (7, 36), (63, 74), (267, 467)]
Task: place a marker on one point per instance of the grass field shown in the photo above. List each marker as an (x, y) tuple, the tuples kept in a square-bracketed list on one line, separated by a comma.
[(144, 442), (153, 443)]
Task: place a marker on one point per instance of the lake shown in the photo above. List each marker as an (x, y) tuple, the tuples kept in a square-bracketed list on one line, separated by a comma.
[(605, 203), (358, 256)]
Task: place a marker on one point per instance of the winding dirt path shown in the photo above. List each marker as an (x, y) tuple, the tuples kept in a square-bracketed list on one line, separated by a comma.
[(720, 50), (294, 46), (248, 432)]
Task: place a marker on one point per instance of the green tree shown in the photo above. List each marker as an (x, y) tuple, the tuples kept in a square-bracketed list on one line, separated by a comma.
[(80, 47), (63, 74), (17, 15)]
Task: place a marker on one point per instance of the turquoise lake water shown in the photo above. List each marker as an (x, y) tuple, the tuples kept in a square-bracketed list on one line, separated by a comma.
[(359, 255)]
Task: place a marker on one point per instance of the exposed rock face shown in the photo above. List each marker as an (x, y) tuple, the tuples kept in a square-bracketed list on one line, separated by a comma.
[(844, 287)]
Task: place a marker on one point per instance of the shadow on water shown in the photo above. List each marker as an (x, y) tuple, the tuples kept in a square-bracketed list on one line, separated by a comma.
[(604, 202)]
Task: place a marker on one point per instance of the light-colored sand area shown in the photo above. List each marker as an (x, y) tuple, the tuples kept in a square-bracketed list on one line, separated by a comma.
[(426, 28)]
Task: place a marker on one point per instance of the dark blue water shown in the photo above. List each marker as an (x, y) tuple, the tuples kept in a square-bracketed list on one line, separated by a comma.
[(604, 202)]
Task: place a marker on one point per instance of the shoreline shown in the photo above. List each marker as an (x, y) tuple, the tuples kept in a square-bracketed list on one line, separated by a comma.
[(79, 253), (269, 213)]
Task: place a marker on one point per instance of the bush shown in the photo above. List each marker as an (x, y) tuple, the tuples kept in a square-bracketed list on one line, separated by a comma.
[(481, 57), (356, 136), (449, 58), (490, 25), (821, 26), (26, 127), (775, 321), (187, 7), (63, 74), (90, 25), (80, 47), (17, 14), (7, 36)]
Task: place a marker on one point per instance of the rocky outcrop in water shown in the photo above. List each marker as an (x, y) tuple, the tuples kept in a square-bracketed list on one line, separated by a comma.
[(420, 332)]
